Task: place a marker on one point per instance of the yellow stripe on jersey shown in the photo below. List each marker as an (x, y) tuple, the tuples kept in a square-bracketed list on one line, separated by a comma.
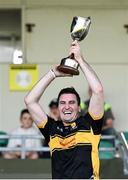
[(57, 142), (94, 117), (95, 155), (42, 124), (57, 135)]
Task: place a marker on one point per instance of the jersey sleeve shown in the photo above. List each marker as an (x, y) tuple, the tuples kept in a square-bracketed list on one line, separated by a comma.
[(46, 127), (96, 125)]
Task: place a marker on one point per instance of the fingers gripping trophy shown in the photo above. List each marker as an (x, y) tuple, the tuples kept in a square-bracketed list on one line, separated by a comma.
[(79, 30)]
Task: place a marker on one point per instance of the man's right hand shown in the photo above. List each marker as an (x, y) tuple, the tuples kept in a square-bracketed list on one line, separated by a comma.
[(59, 73)]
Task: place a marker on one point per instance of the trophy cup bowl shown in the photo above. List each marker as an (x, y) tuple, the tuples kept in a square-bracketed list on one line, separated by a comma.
[(79, 30)]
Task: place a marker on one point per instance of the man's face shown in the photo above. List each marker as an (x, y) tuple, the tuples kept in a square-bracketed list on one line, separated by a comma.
[(68, 107), (26, 121)]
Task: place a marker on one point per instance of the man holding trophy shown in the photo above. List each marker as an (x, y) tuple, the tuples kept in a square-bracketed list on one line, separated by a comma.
[(73, 140)]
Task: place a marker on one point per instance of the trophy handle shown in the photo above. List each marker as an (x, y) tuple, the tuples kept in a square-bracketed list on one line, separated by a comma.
[(72, 56)]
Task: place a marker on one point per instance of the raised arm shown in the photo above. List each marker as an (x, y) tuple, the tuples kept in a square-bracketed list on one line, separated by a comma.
[(96, 105), (33, 97)]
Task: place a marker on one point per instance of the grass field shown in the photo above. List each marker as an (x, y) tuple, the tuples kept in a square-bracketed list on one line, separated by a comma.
[(41, 169)]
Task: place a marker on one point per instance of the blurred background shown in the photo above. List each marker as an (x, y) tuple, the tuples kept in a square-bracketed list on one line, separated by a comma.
[(35, 35)]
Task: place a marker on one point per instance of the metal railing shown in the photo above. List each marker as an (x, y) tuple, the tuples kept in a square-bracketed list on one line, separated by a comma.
[(123, 144), (110, 138), (119, 142), (24, 149)]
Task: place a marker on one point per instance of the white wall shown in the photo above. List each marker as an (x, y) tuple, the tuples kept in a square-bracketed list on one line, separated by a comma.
[(106, 42), (113, 78), (105, 49)]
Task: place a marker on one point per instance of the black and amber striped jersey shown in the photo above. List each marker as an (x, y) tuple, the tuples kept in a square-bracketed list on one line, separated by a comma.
[(73, 148)]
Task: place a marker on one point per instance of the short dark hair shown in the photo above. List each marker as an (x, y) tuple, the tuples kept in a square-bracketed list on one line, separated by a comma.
[(53, 103), (69, 90), (23, 112)]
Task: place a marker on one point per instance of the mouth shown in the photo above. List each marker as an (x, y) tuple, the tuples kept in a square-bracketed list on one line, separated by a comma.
[(67, 112)]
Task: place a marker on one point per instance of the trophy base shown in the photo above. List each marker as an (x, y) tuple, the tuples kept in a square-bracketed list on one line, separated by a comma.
[(69, 66), (68, 70)]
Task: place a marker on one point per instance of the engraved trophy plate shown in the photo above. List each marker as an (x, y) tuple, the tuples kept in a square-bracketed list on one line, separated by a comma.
[(79, 30)]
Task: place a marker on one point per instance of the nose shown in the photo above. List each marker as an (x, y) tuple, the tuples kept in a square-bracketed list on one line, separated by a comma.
[(66, 106)]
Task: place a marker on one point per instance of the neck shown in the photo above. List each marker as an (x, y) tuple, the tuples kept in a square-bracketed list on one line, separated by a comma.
[(67, 123), (70, 122)]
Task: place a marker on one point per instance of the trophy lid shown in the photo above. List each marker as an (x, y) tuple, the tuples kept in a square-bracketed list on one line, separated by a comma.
[(80, 27)]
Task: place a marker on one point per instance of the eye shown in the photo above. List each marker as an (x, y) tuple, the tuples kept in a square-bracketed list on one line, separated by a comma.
[(72, 102), (62, 102)]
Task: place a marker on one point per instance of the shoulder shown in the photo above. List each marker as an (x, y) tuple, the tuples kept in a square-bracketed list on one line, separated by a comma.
[(96, 125), (48, 123)]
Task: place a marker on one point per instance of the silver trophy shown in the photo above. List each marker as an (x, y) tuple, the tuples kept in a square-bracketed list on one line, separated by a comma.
[(79, 30)]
